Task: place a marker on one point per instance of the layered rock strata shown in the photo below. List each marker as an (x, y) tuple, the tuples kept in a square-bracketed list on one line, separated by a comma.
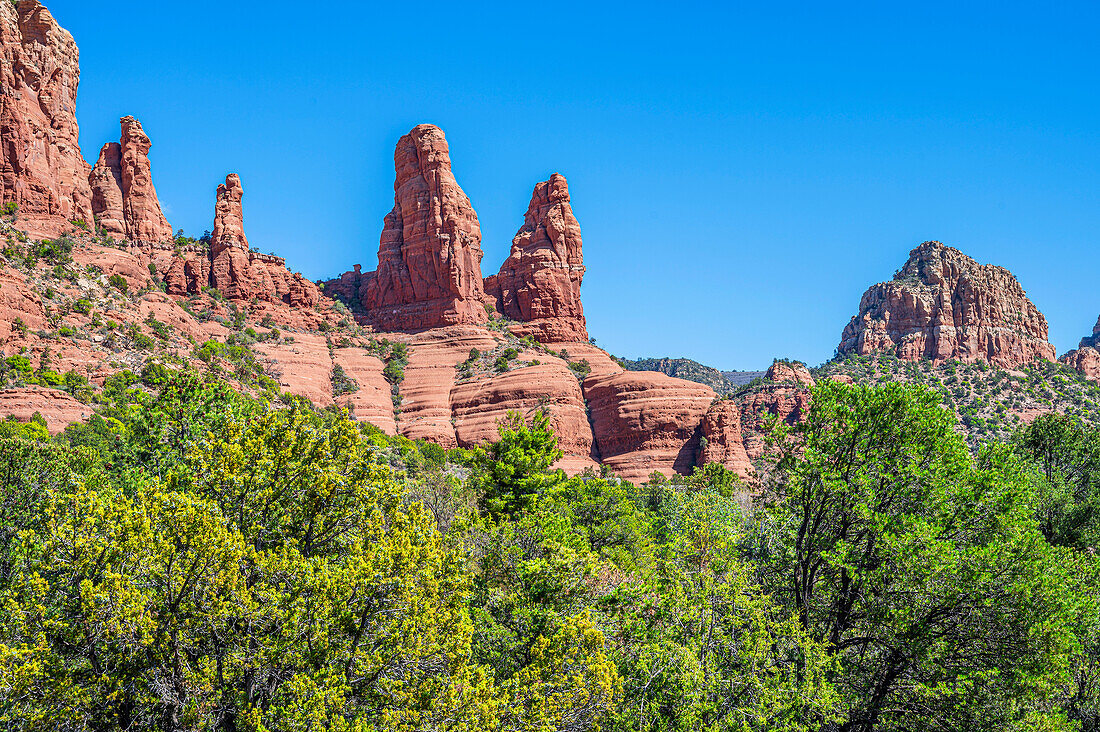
[(429, 256), (124, 201), (943, 305)]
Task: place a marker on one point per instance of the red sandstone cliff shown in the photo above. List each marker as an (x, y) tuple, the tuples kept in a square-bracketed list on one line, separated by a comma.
[(943, 305), (540, 282), (41, 168)]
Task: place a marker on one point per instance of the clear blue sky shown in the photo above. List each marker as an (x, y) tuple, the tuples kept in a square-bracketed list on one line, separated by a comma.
[(742, 172)]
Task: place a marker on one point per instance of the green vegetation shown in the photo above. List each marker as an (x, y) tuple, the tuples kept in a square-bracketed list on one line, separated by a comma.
[(119, 282), (342, 383), (194, 559)]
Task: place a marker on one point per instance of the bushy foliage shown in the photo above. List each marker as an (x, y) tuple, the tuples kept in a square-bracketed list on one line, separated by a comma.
[(192, 558)]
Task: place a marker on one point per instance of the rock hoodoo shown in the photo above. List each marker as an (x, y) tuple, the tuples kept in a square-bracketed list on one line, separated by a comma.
[(429, 257), (124, 200), (944, 305), (231, 267), (540, 282), (41, 168)]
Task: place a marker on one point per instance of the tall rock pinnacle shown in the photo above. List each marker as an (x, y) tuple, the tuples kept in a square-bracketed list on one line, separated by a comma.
[(124, 200), (540, 282), (228, 244), (41, 168), (429, 258)]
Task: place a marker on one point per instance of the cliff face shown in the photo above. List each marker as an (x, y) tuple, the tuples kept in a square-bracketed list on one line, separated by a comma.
[(943, 305), (540, 282), (124, 201), (41, 168)]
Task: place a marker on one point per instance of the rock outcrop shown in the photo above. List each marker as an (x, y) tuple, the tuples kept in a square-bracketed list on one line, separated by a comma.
[(943, 305), (1086, 360), (57, 408), (721, 440), (540, 282), (106, 183), (429, 257), (1086, 357), (785, 395), (478, 406), (124, 201), (647, 422), (41, 168), (231, 267)]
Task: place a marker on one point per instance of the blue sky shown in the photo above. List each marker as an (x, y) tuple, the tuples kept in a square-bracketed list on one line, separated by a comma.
[(742, 172)]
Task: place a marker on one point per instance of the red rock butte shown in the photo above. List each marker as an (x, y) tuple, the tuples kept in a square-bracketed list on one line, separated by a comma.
[(943, 305)]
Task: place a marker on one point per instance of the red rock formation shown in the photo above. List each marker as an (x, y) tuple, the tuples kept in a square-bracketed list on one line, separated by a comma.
[(372, 400), (228, 231), (18, 302), (540, 282), (188, 273), (646, 421), (228, 245), (106, 183), (41, 168), (430, 377), (722, 442), (145, 221), (1086, 357), (943, 305), (478, 406), (785, 394), (56, 407), (230, 266), (429, 258), (124, 200)]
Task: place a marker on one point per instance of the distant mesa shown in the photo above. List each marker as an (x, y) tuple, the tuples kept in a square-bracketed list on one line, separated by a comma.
[(943, 305)]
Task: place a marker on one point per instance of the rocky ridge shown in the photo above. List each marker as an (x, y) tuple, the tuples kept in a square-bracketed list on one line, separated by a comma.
[(431, 350)]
